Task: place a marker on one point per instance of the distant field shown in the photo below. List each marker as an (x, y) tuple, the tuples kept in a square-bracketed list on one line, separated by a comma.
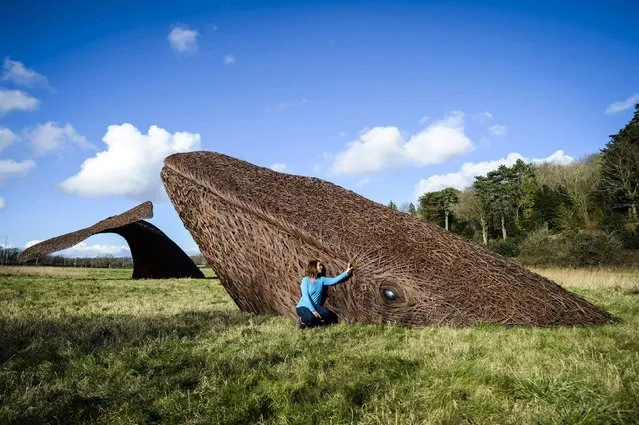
[(89, 345)]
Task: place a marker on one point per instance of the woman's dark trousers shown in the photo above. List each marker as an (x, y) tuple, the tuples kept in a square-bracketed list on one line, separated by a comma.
[(308, 320)]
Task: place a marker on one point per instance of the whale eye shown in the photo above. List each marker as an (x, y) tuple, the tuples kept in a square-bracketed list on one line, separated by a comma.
[(389, 294)]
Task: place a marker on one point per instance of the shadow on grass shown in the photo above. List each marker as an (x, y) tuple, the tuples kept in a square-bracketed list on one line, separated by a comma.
[(147, 370), (34, 340), (127, 361)]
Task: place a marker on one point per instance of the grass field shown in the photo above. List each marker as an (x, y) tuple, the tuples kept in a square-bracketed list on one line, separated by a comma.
[(92, 346)]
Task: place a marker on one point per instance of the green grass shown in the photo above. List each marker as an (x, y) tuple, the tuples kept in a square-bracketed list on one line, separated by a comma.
[(89, 346)]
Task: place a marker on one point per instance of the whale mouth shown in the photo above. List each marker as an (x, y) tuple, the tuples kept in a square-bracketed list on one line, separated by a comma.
[(181, 163)]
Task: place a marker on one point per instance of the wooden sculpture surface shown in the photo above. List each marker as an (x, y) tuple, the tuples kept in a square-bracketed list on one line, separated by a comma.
[(257, 228), (155, 256)]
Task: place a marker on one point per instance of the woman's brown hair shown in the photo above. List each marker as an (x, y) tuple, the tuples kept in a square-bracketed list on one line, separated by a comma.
[(311, 269)]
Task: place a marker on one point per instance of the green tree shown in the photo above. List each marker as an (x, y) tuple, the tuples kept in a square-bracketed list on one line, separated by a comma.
[(578, 181), (436, 207), (428, 207), (548, 208), (496, 190), (620, 167), (523, 184), (412, 210), (392, 205), (447, 198), (472, 208)]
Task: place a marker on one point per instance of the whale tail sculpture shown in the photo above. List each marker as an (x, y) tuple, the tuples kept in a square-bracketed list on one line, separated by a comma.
[(155, 255), (257, 228)]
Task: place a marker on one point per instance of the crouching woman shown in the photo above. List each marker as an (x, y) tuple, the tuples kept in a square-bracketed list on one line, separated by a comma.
[(310, 308)]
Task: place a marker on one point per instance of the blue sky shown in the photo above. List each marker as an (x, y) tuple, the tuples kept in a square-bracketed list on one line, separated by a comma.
[(384, 98)]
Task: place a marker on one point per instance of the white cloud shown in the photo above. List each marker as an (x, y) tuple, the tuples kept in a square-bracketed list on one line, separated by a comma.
[(131, 164), (229, 59), (623, 105), (10, 168), (16, 72), (559, 157), (96, 250), (469, 170), (2, 205), (7, 137), (382, 148), (183, 40), (342, 134), (497, 130), (50, 137), (84, 250), (423, 119), (279, 166), (16, 99)]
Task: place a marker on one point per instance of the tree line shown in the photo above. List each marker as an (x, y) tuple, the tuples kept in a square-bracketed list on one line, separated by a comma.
[(9, 256), (581, 213)]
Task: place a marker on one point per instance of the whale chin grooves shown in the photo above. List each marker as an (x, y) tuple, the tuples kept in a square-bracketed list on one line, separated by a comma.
[(257, 228), (155, 255)]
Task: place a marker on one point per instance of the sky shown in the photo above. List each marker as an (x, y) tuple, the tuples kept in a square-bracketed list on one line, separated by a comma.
[(388, 99)]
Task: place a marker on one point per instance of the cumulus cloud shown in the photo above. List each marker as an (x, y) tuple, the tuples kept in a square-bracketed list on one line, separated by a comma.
[(183, 40), (229, 59), (131, 164), (2, 205), (469, 170), (497, 130), (18, 100), (7, 137), (50, 137), (623, 105), (279, 166), (84, 250), (382, 148), (559, 157), (16, 72), (11, 168)]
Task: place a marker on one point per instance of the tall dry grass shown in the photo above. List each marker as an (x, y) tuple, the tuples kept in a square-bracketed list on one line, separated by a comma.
[(595, 278)]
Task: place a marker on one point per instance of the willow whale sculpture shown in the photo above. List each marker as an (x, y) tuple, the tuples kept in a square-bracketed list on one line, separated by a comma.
[(155, 255), (257, 228)]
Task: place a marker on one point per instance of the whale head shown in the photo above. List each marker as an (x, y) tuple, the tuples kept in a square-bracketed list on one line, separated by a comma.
[(258, 228)]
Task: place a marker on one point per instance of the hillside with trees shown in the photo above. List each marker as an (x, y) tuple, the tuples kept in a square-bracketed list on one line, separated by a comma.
[(578, 214)]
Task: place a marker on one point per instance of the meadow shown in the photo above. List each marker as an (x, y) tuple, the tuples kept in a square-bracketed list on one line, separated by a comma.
[(93, 346)]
